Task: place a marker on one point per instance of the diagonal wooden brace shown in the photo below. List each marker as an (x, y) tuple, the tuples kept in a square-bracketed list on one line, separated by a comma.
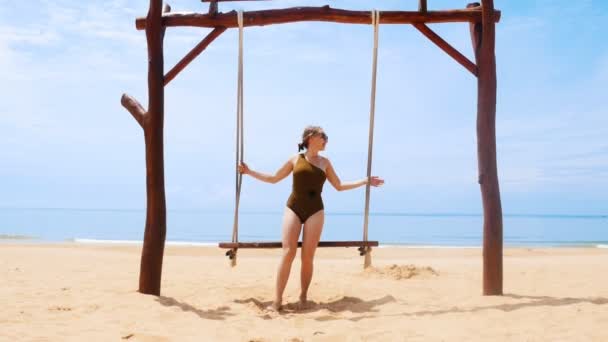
[(197, 50), (449, 49)]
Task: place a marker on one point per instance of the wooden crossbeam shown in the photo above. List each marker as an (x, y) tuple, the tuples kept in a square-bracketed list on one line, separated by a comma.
[(231, 245), (445, 46), (324, 14), (200, 47)]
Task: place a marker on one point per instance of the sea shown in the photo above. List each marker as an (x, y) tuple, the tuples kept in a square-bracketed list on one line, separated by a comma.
[(201, 227)]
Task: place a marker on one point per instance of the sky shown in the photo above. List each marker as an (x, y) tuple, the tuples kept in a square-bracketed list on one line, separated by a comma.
[(66, 142)]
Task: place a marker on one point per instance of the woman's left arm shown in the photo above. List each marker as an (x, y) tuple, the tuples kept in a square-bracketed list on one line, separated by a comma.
[(334, 180)]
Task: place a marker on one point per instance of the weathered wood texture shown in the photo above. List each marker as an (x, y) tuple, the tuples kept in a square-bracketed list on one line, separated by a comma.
[(135, 108), (231, 245), (156, 223), (326, 14), (200, 47), (445, 46), (483, 39)]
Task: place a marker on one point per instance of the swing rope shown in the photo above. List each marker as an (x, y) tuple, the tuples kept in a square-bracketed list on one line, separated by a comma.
[(240, 150), (372, 111), (364, 249)]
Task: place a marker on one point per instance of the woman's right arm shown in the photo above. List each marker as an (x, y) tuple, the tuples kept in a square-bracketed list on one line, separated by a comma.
[(283, 172)]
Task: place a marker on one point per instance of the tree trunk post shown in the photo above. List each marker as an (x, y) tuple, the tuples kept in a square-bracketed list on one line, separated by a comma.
[(483, 39), (156, 217)]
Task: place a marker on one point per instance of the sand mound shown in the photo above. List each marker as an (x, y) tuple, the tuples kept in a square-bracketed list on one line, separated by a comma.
[(399, 272)]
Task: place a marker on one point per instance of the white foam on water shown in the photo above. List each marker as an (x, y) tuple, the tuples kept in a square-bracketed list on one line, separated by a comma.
[(428, 246), (138, 242)]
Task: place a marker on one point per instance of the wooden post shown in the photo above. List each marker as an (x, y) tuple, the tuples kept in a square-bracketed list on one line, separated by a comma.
[(483, 39), (156, 223)]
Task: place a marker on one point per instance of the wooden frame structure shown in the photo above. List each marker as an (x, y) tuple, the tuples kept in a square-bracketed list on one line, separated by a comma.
[(481, 19)]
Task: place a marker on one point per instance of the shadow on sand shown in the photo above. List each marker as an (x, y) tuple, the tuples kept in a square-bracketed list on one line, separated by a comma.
[(530, 301), (365, 307), (350, 304), (215, 314)]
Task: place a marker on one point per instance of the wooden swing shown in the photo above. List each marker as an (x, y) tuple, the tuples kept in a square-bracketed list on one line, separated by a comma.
[(481, 19), (365, 246)]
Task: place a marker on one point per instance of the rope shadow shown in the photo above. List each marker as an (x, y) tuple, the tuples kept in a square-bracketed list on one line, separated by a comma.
[(215, 314)]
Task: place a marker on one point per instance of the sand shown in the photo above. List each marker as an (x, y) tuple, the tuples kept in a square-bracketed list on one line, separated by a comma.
[(85, 292)]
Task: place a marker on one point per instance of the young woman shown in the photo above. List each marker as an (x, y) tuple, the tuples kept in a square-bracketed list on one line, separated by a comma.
[(304, 206)]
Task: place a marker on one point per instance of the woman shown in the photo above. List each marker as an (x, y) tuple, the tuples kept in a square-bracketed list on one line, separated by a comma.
[(304, 206)]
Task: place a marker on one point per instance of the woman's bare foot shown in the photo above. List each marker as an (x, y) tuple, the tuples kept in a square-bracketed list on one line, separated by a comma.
[(275, 306), (304, 304)]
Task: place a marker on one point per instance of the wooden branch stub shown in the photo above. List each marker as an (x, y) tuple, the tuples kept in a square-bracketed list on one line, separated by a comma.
[(449, 49), (134, 108), (166, 9), (213, 7), (200, 47), (475, 29), (324, 14), (422, 6)]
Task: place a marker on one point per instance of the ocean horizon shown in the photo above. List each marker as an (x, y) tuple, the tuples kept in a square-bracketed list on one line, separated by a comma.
[(198, 227)]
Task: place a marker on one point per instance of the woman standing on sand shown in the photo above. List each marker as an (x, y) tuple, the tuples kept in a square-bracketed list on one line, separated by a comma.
[(304, 206)]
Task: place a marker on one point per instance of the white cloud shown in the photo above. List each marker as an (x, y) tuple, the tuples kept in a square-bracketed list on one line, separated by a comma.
[(66, 82), (29, 36)]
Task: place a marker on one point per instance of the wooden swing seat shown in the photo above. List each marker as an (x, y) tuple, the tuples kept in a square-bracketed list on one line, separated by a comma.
[(233, 245)]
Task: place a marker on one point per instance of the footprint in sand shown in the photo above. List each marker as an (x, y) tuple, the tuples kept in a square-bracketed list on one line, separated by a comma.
[(399, 272), (60, 308), (300, 306), (145, 338)]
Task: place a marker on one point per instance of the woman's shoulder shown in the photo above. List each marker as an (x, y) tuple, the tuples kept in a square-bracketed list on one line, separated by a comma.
[(294, 157), (325, 161)]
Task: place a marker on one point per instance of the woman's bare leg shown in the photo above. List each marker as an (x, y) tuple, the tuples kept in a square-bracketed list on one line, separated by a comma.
[(291, 232), (312, 233)]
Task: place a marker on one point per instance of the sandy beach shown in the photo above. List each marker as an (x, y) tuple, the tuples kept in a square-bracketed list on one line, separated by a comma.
[(85, 292)]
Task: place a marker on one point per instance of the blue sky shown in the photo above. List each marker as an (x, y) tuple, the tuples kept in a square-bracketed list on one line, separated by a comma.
[(65, 141)]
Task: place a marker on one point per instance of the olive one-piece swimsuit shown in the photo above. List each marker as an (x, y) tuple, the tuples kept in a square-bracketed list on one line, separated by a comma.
[(308, 179)]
